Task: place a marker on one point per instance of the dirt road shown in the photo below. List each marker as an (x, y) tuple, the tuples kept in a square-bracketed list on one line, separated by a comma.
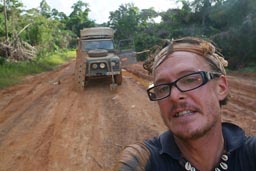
[(47, 125)]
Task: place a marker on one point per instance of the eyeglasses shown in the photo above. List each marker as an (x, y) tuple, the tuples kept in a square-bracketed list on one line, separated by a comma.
[(185, 83)]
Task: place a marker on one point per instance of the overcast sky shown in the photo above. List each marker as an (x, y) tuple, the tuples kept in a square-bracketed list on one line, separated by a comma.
[(100, 8)]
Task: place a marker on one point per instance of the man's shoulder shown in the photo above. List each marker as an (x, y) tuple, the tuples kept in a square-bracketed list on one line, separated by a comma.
[(235, 138), (250, 144), (241, 147), (153, 143), (161, 143), (137, 156), (133, 158)]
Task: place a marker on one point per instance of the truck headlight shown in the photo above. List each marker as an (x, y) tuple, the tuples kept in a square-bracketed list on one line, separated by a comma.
[(102, 65), (94, 66)]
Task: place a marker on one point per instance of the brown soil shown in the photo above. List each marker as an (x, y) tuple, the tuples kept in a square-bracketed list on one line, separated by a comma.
[(47, 124)]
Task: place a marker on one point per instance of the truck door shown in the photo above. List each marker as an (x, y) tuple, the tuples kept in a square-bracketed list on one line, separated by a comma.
[(127, 52)]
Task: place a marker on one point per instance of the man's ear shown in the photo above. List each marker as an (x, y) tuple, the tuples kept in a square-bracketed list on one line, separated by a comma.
[(222, 87)]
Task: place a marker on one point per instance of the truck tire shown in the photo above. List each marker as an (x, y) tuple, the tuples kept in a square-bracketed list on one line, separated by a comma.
[(118, 79), (80, 69)]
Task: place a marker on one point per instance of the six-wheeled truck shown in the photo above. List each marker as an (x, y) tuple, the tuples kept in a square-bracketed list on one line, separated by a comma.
[(96, 57)]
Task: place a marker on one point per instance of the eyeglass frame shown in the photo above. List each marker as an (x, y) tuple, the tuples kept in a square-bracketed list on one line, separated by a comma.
[(205, 75)]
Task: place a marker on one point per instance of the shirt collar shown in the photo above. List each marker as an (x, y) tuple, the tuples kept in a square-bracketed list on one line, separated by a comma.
[(233, 136)]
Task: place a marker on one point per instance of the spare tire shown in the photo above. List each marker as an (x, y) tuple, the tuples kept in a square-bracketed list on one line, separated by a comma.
[(97, 53)]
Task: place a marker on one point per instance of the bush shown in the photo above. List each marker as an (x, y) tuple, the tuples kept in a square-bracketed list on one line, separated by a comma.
[(13, 72), (2, 60)]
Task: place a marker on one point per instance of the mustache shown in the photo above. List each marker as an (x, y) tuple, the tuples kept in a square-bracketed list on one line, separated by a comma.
[(183, 105)]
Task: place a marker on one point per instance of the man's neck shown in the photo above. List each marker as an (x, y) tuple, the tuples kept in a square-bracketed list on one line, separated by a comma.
[(205, 152)]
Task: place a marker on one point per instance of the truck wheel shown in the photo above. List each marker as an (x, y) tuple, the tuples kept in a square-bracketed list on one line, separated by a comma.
[(118, 79), (86, 82)]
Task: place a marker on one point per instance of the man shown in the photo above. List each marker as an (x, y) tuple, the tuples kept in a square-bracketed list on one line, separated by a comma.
[(190, 86)]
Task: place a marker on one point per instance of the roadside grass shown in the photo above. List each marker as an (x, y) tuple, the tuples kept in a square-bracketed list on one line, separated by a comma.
[(13, 72), (247, 72), (251, 68)]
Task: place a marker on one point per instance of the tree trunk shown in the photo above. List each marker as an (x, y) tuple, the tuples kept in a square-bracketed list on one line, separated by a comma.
[(5, 19)]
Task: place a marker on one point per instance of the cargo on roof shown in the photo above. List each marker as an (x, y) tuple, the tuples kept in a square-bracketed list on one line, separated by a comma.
[(97, 32)]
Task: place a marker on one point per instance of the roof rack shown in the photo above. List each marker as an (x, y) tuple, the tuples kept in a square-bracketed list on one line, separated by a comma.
[(97, 32)]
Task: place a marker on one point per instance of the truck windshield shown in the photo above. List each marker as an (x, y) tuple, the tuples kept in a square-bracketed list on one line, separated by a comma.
[(97, 44)]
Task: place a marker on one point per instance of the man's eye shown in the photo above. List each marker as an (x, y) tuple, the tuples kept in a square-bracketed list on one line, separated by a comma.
[(162, 89), (190, 80)]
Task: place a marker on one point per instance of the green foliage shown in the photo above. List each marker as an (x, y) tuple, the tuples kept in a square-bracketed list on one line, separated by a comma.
[(45, 9), (13, 72), (251, 68), (47, 30), (78, 18), (13, 10), (2, 60), (46, 34), (237, 38), (131, 23), (230, 23), (55, 59), (124, 21)]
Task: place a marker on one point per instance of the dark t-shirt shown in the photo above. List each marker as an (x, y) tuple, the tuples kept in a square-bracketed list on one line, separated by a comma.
[(166, 156)]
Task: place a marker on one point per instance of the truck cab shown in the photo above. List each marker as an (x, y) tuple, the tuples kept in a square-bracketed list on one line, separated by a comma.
[(97, 57)]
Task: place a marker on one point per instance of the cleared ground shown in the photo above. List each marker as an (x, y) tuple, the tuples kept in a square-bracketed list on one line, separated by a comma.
[(46, 124)]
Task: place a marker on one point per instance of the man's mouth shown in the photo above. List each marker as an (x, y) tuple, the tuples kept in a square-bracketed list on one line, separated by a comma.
[(184, 113)]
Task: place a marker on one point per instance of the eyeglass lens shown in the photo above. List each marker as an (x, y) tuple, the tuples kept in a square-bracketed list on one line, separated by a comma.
[(183, 84)]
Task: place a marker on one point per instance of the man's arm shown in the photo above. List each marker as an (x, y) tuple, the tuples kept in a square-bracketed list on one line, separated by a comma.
[(133, 158)]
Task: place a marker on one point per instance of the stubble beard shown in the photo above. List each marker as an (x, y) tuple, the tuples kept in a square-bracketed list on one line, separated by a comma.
[(197, 133)]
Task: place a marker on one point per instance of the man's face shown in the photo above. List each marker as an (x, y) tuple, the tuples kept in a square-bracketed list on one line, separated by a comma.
[(193, 113)]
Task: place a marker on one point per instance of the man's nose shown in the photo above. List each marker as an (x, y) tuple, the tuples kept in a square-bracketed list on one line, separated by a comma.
[(176, 94)]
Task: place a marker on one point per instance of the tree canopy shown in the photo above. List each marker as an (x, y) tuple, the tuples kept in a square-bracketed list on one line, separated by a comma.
[(229, 23)]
